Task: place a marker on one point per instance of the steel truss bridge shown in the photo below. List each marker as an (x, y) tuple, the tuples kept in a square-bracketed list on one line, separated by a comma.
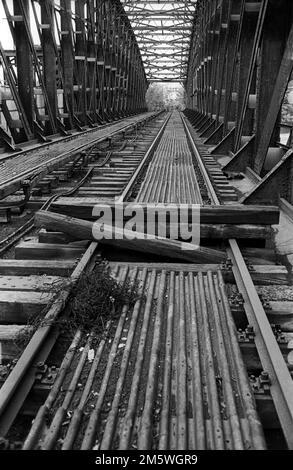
[(202, 356)]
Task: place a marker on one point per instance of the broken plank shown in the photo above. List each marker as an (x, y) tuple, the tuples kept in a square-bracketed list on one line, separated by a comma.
[(129, 240)]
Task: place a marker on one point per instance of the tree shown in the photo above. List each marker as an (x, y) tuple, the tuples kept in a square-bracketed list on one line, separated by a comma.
[(166, 96)]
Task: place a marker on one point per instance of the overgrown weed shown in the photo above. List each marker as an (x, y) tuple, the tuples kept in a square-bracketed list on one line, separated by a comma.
[(96, 298)]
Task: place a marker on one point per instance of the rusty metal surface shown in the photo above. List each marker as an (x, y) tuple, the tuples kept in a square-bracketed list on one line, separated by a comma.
[(22, 165), (168, 375), (171, 176)]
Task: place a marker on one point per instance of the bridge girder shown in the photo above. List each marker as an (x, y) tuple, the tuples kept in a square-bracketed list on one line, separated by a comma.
[(240, 64), (66, 65), (159, 28)]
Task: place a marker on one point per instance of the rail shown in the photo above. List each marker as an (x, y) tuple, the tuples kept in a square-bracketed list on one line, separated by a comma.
[(281, 384)]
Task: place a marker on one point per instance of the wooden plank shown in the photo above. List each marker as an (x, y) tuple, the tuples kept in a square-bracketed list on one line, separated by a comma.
[(264, 275), (55, 237), (32, 251), (12, 267), (19, 306), (227, 231), (251, 356), (266, 255), (269, 275), (284, 307), (8, 333), (232, 214), (30, 283), (266, 411), (220, 231), (159, 246), (285, 321)]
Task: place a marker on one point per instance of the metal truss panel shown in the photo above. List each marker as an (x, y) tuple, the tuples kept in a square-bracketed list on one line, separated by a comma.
[(66, 65), (163, 31)]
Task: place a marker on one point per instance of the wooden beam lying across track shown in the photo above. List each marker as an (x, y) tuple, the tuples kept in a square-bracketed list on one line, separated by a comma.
[(205, 231), (232, 214), (159, 246)]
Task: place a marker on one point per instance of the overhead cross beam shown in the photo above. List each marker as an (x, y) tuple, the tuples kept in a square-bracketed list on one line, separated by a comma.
[(160, 28)]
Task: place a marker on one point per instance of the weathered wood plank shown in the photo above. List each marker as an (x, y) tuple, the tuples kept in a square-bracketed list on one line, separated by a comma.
[(32, 251), (210, 231), (269, 275), (19, 306), (284, 307), (284, 320), (30, 283), (260, 255), (55, 237), (159, 246), (232, 214), (12, 267), (8, 335)]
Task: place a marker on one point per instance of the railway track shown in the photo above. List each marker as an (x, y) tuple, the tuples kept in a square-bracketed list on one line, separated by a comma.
[(39, 161), (38, 268), (163, 377)]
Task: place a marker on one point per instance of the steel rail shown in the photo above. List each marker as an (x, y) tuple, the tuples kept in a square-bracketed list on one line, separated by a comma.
[(63, 158), (172, 156), (29, 225), (24, 229), (144, 161), (16, 381), (21, 379), (200, 163), (281, 383), (67, 138)]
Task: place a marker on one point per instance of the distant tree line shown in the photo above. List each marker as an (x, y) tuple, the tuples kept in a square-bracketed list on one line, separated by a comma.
[(165, 96)]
